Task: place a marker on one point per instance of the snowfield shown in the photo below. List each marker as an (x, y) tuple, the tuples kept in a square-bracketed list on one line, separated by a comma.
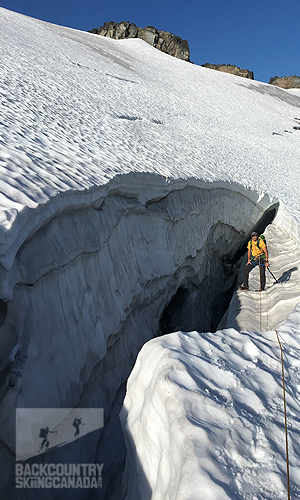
[(130, 182)]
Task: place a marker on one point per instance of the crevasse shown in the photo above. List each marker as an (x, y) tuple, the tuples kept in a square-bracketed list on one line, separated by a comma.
[(89, 284)]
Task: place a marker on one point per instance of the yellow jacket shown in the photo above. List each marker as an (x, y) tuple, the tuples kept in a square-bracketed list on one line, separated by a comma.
[(257, 248)]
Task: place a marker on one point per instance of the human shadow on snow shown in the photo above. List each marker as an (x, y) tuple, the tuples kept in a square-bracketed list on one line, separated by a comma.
[(286, 276)]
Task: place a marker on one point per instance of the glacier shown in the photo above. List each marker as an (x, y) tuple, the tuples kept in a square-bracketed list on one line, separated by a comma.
[(130, 182)]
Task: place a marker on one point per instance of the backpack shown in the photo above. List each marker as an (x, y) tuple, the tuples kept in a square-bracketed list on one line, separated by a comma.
[(43, 433), (263, 255)]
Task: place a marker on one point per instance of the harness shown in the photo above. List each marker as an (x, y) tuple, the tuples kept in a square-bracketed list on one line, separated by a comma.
[(256, 262)]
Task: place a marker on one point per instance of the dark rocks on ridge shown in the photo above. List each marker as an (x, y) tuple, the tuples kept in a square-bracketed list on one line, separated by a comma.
[(177, 47), (286, 82), (230, 68), (162, 40)]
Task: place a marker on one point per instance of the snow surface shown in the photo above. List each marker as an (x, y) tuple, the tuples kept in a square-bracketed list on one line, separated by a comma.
[(209, 413), (66, 124), (121, 167)]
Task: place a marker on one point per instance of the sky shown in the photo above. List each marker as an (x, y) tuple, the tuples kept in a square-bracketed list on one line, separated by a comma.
[(262, 36)]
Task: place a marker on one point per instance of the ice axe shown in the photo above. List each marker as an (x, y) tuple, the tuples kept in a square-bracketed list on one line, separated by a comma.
[(272, 274)]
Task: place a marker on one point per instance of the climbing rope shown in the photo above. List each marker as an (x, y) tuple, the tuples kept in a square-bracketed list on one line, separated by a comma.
[(259, 297), (284, 402), (285, 421)]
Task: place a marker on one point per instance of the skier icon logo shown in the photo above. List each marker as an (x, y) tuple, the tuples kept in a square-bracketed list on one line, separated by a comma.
[(44, 436), (77, 423)]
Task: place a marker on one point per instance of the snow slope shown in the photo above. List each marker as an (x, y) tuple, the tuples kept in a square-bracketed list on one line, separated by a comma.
[(121, 168), (66, 123)]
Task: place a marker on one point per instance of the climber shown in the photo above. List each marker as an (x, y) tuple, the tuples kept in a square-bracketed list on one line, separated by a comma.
[(77, 422), (257, 256)]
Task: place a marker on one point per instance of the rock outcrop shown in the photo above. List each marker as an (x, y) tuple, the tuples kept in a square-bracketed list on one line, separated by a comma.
[(230, 68), (162, 40), (286, 82)]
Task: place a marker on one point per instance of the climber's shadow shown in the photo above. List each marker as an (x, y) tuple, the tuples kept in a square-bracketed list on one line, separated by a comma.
[(286, 276)]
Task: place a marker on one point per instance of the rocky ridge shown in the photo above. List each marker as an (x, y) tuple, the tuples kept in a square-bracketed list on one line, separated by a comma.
[(177, 47), (230, 68), (286, 82), (162, 40)]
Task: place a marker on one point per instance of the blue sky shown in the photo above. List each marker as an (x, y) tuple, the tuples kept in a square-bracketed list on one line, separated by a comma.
[(259, 35)]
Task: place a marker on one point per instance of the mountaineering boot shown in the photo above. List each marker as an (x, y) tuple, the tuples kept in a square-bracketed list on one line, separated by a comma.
[(243, 287)]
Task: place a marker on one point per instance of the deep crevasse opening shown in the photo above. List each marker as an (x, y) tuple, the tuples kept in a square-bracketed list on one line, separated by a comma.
[(103, 275)]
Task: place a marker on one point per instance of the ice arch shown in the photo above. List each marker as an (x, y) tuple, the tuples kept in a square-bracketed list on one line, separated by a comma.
[(87, 278)]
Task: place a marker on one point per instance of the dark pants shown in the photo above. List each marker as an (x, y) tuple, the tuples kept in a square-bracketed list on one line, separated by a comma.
[(262, 272)]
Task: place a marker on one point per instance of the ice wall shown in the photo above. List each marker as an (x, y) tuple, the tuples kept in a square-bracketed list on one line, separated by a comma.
[(88, 283)]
